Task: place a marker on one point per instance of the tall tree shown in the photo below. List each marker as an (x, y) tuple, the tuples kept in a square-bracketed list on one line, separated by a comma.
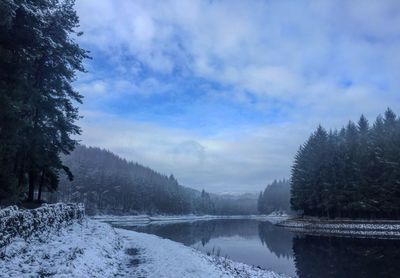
[(40, 60), (354, 173), (276, 197)]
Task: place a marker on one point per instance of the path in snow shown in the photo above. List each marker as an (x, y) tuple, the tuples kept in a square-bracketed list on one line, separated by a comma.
[(165, 258)]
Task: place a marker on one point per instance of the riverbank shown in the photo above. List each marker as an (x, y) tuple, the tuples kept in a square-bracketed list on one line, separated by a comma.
[(94, 249), (344, 227), (128, 220)]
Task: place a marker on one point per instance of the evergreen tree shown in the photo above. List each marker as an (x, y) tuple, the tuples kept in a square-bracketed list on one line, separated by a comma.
[(354, 172), (39, 59), (275, 197)]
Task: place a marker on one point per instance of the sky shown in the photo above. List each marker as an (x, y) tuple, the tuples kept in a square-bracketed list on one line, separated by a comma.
[(223, 93)]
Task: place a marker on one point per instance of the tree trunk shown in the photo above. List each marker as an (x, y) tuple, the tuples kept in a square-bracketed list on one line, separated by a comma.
[(31, 186), (40, 186), (21, 175)]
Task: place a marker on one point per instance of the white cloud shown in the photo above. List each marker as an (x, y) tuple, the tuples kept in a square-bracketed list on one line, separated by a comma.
[(238, 161), (266, 47), (312, 61), (94, 88)]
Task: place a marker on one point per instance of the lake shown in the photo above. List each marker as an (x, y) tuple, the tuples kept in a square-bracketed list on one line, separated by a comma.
[(265, 245)]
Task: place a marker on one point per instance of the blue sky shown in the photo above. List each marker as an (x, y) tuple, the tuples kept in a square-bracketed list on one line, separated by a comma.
[(222, 93)]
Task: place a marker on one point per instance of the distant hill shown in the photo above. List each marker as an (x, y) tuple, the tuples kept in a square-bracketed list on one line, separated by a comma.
[(107, 183)]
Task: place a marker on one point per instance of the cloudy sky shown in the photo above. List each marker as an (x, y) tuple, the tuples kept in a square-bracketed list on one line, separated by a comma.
[(222, 93)]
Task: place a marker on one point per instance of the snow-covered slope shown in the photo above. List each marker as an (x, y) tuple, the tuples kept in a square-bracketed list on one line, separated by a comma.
[(94, 249)]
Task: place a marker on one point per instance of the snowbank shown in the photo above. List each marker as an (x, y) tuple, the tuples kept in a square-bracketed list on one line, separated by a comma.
[(94, 249), (15, 222), (89, 249), (367, 228)]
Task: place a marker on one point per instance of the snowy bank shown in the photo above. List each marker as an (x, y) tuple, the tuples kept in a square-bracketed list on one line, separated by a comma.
[(25, 223), (363, 228), (158, 257), (94, 249), (89, 249)]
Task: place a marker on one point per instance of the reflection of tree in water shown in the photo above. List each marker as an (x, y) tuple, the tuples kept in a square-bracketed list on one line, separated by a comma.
[(277, 239), (187, 233), (317, 256), (202, 231)]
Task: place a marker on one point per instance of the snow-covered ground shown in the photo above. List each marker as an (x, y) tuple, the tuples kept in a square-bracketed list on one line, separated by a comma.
[(94, 249), (165, 258), (389, 229), (90, 249)]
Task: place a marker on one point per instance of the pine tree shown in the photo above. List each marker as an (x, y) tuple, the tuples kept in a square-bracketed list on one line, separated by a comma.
[(40, 60), (353, 173), (276, 197)]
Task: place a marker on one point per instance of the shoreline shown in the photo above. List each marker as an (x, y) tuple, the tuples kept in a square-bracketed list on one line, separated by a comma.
[(389, 229), (127, 220), (95, 249)]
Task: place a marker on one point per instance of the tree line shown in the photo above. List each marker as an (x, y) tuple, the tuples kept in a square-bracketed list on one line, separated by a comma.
[(352, 172), (107, 183), (275, 197), (38, 61)]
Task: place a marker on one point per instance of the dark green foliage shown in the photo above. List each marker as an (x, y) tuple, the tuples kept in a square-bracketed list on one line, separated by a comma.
[(235, 205), (275, 197), (107, 183), (354, 172), (38, 62), (205, 204)]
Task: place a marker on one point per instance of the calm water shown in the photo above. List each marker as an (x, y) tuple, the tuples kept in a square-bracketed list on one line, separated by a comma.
[(270, 247)]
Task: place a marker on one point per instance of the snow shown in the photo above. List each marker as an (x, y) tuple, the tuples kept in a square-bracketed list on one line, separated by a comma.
[(95, 249), (79, 250), (359, 228), (25, 223), (165, 258)]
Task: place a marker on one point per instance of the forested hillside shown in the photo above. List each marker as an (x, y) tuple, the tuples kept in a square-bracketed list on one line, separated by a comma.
[(235, 205), (351, 172), (275, 197), (107, 183)]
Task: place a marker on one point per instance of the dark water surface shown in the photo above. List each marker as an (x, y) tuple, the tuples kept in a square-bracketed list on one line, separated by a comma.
[(271, 247)]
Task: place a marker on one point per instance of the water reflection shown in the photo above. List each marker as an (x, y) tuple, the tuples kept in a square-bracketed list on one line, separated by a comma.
[(278, 241), (271, 247), (317, 256), (190, 233), (248, 241)]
